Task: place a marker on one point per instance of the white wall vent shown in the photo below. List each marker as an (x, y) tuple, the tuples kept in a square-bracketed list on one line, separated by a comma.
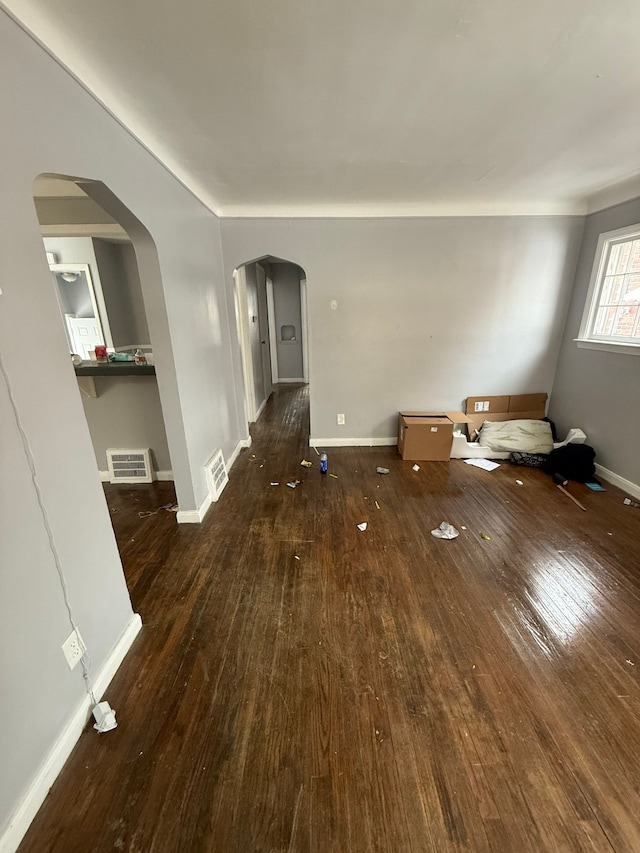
[(216, 474), (129, 465)]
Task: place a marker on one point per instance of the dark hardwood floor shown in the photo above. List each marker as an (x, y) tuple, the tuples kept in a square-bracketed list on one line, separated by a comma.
[(300, 685)]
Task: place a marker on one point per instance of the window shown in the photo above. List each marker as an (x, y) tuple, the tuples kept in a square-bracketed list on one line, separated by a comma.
[(611, 317)]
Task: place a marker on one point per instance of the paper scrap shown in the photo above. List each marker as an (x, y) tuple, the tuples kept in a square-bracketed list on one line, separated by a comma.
[(416, 467), (306, 464), (362, 526), (377, 505), (485, 464), (380, 470), (484, 536), (445, 531), (519, 483), (275, 484), (293, 484), (335, 476)]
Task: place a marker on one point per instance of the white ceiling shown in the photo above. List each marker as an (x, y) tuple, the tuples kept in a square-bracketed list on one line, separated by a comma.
[(310, 107)]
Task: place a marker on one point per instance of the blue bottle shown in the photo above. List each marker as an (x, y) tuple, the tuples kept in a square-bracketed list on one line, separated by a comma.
[(324, 462)]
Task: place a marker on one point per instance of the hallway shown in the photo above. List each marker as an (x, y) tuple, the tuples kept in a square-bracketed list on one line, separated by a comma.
[(300, 685)]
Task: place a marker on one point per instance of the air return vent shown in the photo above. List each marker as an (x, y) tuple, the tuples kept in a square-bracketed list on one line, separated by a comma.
[(216, 473), (129, 465)]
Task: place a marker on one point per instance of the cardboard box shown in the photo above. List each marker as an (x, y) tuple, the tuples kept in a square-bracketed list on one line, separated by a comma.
[(427, 436), (504, 408)]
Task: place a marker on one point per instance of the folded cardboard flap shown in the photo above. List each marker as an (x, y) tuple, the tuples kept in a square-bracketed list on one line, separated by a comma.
[(527, 403), (504, 408), (506, 405), (454, 417)]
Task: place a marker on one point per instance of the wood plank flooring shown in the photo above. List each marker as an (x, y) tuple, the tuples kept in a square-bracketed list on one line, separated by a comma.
[(300, 685)]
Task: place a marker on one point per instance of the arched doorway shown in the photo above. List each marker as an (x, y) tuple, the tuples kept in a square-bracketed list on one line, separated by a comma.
[(271, 314), (100, 257)]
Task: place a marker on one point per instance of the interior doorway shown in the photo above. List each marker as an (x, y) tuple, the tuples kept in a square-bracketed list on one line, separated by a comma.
[(271, 314), (98, 285)]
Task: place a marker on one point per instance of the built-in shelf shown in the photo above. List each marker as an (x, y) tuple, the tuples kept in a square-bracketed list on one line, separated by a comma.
[(88, 371), (114, 368)]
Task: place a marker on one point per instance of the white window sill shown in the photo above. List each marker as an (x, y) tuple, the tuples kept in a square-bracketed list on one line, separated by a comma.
[(609, 346)]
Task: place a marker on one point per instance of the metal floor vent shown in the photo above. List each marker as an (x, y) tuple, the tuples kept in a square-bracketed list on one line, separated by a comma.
[(216, 473), (129, 465)]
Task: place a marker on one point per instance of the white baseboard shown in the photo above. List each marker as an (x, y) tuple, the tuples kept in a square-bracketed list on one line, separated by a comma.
[(617, 480), (195, 516), (353, 442), (261, 409), (63, 747), (157, 475), (244, 442)]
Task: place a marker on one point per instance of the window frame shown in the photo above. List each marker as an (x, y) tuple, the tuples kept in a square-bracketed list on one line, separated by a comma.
[(586, 338)]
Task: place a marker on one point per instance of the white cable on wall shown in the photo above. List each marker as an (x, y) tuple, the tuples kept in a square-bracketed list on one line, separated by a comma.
[(85, 660)]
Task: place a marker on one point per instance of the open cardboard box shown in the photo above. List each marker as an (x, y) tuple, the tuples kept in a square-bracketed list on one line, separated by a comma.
[(501, 408), (427, 436)]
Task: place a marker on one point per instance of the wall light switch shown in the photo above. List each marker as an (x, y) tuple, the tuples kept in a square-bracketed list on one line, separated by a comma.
[(340, 419)]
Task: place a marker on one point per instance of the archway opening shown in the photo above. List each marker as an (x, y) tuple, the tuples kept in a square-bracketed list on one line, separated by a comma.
[(271, 314), (99, 255)]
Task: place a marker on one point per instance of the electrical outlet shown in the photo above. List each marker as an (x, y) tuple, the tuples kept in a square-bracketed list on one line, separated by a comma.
[(340, 418), (73, 648)]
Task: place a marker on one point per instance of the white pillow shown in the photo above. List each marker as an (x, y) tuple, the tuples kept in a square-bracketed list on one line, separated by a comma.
[(527, 436)]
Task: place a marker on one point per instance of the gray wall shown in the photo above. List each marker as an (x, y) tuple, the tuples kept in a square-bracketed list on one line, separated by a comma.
[(115, 295), (595, 390), (178, 249), (138, 326), (122, 292), (71, 250), (127, 413), (429, 310), (286, 301)]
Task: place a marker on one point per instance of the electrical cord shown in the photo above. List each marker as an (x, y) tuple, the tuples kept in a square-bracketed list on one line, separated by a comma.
[(85, 660)]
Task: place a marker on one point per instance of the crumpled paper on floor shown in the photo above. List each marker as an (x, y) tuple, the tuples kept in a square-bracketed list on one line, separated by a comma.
[(445, 531)]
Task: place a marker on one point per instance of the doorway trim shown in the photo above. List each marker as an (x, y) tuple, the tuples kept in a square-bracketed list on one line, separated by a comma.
[(273, 334), (244, 340), (305, 329)]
